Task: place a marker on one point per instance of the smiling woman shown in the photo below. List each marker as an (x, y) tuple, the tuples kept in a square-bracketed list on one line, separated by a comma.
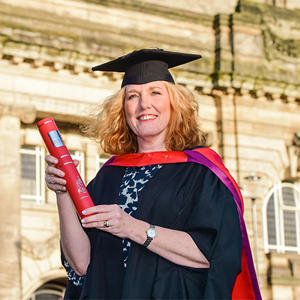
[(167, 221), (147, 110), (111, 129)]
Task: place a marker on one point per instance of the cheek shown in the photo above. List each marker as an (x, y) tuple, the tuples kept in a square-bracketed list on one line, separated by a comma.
[(129, 112), (130, 109), (166, 109)]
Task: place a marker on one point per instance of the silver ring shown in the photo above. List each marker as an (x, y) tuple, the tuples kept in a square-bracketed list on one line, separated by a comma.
[(106, 223)]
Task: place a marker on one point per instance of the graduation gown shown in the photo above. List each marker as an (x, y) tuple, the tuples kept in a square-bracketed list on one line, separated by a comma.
[(187, 195)]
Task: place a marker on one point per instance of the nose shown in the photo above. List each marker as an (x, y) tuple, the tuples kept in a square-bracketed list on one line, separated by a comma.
[(145, 101)]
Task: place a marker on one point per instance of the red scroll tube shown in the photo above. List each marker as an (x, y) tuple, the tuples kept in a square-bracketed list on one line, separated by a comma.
[(56, 147)]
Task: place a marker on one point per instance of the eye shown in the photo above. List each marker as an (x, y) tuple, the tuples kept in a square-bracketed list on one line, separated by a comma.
[(156, 93), (131, 96)]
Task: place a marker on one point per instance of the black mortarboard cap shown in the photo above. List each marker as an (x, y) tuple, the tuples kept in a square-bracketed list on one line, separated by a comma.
[(147, 65)]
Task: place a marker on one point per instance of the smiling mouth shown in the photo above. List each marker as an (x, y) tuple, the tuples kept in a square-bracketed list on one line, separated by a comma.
[(146, 117)]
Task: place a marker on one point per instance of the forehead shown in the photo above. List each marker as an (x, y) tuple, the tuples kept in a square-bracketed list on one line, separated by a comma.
[(149, 85)]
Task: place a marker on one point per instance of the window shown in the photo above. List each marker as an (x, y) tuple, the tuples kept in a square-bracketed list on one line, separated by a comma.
[(100, 161), (282, 218), (47, 294), (32, 174), (49, 291)]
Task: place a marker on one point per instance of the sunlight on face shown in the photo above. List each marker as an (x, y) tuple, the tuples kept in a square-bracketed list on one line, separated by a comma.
[(147, 109)]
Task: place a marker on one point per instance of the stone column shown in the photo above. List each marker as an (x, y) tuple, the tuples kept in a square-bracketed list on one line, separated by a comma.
[(10, 212)]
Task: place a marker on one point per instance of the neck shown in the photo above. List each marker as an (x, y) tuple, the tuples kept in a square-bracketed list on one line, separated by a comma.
[(150, 145)]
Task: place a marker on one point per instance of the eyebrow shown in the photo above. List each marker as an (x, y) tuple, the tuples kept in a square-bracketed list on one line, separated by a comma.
[(150, 88), (155, 87), (132, 91)]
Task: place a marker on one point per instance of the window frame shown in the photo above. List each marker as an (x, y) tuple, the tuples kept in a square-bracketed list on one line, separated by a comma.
[(39, 152), (100, 161), (55, 290), (279, 208), (40, 186)]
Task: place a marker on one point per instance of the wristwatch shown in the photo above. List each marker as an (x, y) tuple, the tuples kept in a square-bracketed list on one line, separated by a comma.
[(151, 233)]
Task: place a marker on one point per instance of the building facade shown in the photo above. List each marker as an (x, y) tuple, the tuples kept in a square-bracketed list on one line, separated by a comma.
[(247, 84)]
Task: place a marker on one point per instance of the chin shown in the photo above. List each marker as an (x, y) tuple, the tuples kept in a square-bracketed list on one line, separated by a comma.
[(150, 133)]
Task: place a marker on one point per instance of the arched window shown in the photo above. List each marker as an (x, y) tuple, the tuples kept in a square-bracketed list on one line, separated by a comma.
[(51, 290), (282, 218)]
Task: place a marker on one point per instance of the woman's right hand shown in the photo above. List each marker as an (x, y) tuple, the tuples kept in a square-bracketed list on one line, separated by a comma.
[(54, 176)]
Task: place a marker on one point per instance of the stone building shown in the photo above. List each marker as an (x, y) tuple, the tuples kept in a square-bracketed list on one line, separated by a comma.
[(248, 86)]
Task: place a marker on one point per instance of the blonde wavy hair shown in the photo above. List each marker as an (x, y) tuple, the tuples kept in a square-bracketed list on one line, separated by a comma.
[(109, 127)]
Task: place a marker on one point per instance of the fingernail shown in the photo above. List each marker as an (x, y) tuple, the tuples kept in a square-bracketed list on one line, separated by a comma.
[(61, 173), (82, 220), (83, 212)]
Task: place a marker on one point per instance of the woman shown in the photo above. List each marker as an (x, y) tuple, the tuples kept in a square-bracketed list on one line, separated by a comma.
[(164, 224)]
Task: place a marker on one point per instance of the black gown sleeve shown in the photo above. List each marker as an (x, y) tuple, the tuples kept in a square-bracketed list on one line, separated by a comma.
[(214, 226), (75, 281)]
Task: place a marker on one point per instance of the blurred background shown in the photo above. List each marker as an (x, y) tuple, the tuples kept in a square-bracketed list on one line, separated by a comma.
[(247, 85)]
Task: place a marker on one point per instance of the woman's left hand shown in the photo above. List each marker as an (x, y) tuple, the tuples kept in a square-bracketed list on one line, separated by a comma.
[(110, 218), (176, 246)]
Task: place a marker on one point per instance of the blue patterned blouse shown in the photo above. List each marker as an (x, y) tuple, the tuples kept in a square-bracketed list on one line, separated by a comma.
[(133, 182)]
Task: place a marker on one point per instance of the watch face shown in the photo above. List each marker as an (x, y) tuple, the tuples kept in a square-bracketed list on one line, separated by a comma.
[(151, 232)]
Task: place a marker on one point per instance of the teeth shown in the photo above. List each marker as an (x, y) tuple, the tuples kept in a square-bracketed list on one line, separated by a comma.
[(147, 117)]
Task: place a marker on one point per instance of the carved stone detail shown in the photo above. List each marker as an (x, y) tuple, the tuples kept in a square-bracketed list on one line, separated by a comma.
[(294, 154), (40, 250), (26, 113), (277, 47)]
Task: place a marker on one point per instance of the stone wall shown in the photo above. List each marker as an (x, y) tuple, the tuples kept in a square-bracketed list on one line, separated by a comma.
[(247, 84), (10, 265)]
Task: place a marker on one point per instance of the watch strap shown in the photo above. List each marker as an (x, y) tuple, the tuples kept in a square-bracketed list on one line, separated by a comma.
[(148, 241), (149, 238)]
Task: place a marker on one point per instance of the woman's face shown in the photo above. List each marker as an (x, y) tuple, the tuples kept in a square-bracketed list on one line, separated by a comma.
[(147, 110)]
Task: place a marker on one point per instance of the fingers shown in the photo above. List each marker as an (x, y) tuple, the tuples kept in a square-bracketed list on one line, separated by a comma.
[(111, 215), (99, 225), (56, 183), (76, 162), (99, 218), (51, 160), (54, 176), (101, 209), (100, 213), (53, 171), (51, 179)]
